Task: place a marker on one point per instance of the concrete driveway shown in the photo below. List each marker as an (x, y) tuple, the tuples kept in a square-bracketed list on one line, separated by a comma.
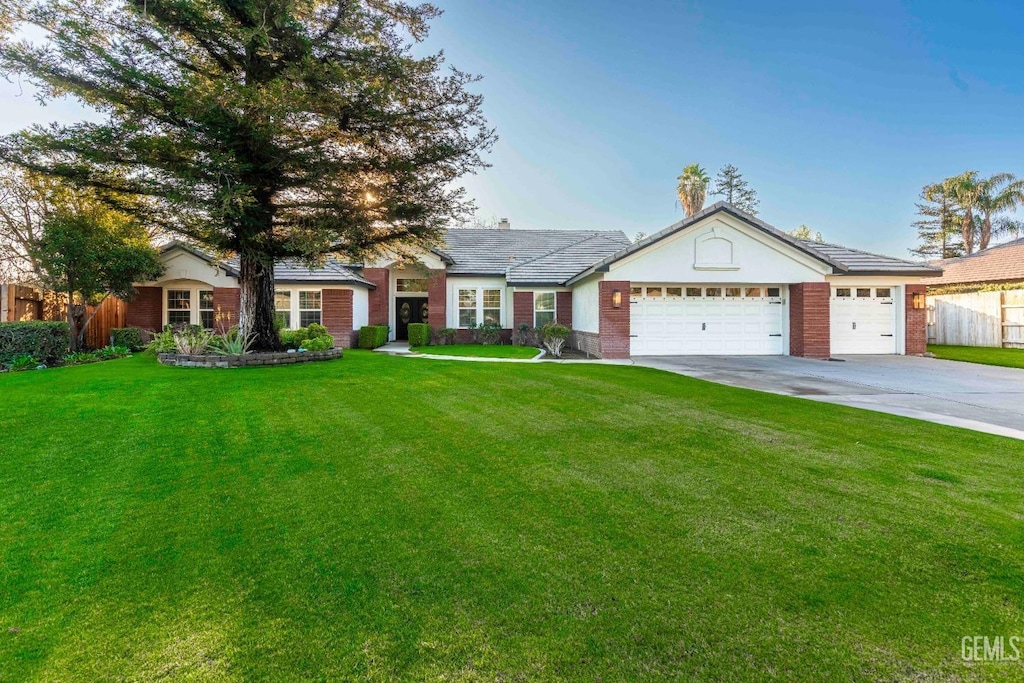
[(979, 397)]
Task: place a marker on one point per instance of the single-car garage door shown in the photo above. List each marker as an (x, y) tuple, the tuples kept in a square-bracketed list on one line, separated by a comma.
[(701, 320), (863, 320)]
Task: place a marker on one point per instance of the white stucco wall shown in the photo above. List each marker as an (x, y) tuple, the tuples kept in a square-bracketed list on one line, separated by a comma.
[(719, 249), (182, 265), (360, 307), (586, 305)]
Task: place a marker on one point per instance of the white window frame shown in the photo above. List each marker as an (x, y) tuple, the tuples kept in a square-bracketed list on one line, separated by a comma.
[(195, 313), (295, 313), (480, 308), (553, 310)]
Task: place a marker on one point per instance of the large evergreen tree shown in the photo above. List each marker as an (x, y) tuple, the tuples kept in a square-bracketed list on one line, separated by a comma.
[(730, 185), (262, 128), (939, 226)]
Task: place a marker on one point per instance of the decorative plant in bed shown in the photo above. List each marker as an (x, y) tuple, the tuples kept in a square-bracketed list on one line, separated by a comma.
[(192, 346)]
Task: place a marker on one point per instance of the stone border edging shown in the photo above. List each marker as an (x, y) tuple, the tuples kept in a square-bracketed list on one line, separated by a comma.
[(207, 360)]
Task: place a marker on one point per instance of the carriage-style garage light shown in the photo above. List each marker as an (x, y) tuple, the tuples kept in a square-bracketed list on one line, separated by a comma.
[(616, 298), (918, 301)]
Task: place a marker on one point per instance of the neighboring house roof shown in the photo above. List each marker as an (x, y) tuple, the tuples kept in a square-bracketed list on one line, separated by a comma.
[(528, 256), (1001, 263), (843, 260)]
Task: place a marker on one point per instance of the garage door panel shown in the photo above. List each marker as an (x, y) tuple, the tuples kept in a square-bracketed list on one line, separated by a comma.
[(862, 325)]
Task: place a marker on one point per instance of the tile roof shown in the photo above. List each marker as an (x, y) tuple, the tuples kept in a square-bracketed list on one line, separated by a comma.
[(529, 256), (856, 262), (1001, 263)]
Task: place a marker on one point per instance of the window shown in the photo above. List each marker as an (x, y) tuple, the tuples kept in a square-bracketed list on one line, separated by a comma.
[(408, 284), (636, 291), (283, 306), (467, 308), (843, 292), (206, 308), (713, 291), (179, 307), (693, 291), (654, 291), (774, 291), (732, 291), (543, 308), (883, 292), (309, 308), (863, 292), (753, 291), (673, 291), (492, 306)]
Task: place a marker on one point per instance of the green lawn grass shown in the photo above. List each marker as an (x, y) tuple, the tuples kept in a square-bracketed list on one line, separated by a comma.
[(385, 518), (1009, 358), (480, 350)]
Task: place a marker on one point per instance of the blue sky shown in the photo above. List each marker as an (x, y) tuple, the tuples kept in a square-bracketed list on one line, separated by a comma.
[(837, 114)]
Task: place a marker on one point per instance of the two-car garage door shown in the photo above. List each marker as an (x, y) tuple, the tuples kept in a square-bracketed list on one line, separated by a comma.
[(699, 320)]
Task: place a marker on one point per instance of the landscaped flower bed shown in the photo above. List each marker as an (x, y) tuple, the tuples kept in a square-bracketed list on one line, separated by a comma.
[(246, 360)]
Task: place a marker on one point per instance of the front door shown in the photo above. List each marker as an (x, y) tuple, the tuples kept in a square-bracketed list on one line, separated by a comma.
[(409, 309)]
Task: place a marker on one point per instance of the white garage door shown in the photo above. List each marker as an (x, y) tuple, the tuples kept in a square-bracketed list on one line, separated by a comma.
[(702, 320), (863, 320)]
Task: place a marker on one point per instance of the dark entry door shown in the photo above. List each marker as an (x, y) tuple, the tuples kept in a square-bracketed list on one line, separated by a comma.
[(409, 309)]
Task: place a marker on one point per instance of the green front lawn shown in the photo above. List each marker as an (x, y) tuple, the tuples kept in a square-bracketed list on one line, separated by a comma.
[(1010, 358), (480, 350), (384, 518)]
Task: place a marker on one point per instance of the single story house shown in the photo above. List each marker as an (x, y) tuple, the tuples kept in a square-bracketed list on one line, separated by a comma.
[(718, 282), (997, 265)]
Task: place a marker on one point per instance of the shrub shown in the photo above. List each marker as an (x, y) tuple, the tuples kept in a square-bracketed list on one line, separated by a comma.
[(419, 334), (555, 336), (321, 343), (446, 335), (487, 333), (22, 362), (130, 337), (80, 357), (232, 344), (163, 341), (528, 336), (111, 352), (372, 336), (193, 340), (294, 339), (42, 340)]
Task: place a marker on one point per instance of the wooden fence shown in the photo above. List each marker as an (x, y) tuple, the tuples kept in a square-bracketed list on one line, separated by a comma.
[(977, 319), (18, 302)]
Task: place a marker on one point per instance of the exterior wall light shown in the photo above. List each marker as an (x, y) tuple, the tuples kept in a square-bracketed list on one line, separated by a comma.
[(616, 298), (918, 300)]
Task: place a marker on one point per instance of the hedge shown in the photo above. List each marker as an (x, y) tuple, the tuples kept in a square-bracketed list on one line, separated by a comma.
[(419, 334), (372, 336), (43, 340), (130, 337)]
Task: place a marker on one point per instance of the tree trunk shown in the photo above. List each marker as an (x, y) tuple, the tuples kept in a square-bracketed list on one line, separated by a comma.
[(256, 315), (967, 232), (986, 232), (71, 321)]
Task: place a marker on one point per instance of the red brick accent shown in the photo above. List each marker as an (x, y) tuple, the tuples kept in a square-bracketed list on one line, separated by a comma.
[(613, 323), (809, 316), (380, 313), (563, 307), (337, 315), (437, 300), (227, 302), (522, 309), (146, 309), (917, 322)]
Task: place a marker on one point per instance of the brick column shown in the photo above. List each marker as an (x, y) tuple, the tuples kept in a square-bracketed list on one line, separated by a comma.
[(916, 331), (613, 323), (563, 307), (522, 309), (227, 302), (337, 316), (437, 300), (809, 320), (380, 313), (146, 309)]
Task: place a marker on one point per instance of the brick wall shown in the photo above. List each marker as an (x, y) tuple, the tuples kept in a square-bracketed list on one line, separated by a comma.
[(917, 322), (337, 315), (587, 342), (522, 309), (613, 323), (227, 302), (437, 300), (379, 313), (146, 309), (809, 308), (563, 308)]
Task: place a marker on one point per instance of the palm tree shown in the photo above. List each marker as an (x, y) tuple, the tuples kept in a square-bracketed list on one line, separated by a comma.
[(999, 193), (693, 188), (966, 189)]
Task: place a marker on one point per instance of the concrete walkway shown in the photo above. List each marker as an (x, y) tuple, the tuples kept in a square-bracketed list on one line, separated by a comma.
[(979, 397)]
